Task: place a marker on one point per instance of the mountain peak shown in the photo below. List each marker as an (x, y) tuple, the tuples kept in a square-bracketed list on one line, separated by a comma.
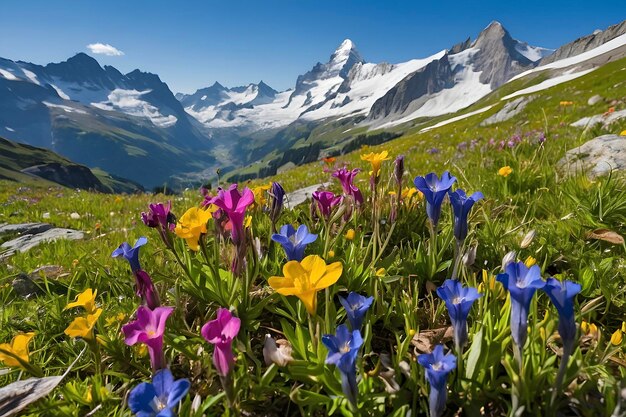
[(344, 58)]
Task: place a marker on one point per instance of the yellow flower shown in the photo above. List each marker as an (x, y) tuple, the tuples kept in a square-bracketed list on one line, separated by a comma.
[(118, 199), (589, 328), (191, 225), (18, 348), (331, 253), (85, 299), (376, 159), (83, 326), (259, 194), (350, 234), (505, 171), (617, 337), (407, 193), (380, 272), (115, 320), (623, 133), (624, 327), (530, 261), (247, 222), (304, 279)]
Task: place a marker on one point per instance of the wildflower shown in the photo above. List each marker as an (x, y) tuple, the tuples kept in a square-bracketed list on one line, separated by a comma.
[(508, 258), (144, 288), (459, 300), (159, 215), (530, 261), (259, 194), (356, 306), (589, 329), (149, 329), (461, 205), (329, 160), (562, 295), (221, 332), (398, 171), (304, 279), (407, 193), (528, 239), (294, 242), (331, 253), (86, 299), (617, 337), (470, 256), (326, 201), (623, 133), (343, 349), (380, 272), (505, 171), (350, 233), (434, 190), (192, 225), (280, 353), (157, 399), (18, 348), (346, 178), (521, 282), (376, 159), (83, 326), (234, 205), (131, 254), (437, 366), (277, 194)]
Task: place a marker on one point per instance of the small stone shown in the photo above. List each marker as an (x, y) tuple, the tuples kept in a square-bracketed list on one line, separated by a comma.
[(46, 215), (595, 99), (74, 216)]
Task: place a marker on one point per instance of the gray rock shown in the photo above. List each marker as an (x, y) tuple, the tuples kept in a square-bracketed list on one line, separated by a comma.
[(585, 43), (605, 119), (510, 109), (24, 228), (28, 285), (298, 197), (597, 157), (73, 176), (595, 99), (29, 241)]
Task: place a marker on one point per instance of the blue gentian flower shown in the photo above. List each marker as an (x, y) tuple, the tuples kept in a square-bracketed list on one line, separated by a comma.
[(131, 254), (356, 306), (157, 399), (437, 366), (434, 190), (461, 205), (459, 300), (562, 295), (278, 195), (521, 282), (342, 352), (294, 242)]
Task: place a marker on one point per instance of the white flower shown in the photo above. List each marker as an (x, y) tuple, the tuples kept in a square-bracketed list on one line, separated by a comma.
[(272, 353)]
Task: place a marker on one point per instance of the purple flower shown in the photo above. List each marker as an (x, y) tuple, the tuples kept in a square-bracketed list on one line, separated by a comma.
[(434, 190), (343, 350), (157, 399), (432, 151), (234, 205), (562, 295), (356, 306), (326, 201), (461, 205), (277, 193), (159, 215), (346, 178), (144, 288), (398, 170), (221, 332), (522, 283), (131, 254), (459, 300), (149, 329), (437, 366), (294, 242)]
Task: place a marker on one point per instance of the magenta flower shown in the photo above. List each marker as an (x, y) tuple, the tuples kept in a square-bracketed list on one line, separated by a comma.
[(346, 178), (144, 288), (326, 201), (234, 205), (159, 215), (221, 332), (149, 329)]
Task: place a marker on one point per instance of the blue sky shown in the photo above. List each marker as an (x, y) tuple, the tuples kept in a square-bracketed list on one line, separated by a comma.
[(238, 42)]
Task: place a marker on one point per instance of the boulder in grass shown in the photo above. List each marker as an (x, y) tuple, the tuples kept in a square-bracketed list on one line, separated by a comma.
[(598, 157)]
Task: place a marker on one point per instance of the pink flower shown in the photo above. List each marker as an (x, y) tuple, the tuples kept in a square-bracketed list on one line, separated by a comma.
[(149, 329), (221, 332), (346, 178), (234, 204), (326, 201)]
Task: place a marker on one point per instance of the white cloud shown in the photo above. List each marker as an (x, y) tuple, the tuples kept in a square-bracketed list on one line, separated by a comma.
[(104, 49)]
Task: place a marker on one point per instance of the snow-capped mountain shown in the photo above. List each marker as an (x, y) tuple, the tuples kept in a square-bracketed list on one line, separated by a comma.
[(130, 125), (468, 72)]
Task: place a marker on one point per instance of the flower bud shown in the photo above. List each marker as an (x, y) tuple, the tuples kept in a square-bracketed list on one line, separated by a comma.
[(528, 239), (508, 258)]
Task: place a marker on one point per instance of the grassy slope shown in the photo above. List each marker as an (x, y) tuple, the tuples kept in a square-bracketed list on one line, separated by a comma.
[(15, 156)]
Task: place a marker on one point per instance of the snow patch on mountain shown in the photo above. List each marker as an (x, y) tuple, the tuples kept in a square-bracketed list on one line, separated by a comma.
[(534, 53), (8, 75), (129, 102), (559, 79), (67, 109)]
